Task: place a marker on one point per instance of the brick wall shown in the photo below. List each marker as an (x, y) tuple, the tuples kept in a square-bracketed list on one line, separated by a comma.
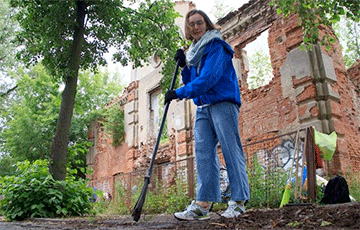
[(309, 88), (349, 122)]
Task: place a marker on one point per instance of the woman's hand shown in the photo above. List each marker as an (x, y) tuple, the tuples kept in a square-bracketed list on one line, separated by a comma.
[(180, 56), (169, 96)]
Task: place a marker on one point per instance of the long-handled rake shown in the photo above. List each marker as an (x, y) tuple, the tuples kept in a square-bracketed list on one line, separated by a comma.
[(136, 212)]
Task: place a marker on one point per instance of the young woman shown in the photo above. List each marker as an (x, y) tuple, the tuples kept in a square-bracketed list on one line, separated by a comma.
[(210, 80)]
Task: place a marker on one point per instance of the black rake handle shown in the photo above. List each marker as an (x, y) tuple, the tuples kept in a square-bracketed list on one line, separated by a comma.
[(141, 200)]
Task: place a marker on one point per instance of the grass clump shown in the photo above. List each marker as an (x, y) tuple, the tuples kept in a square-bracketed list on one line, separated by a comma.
[(266, 186), (353, 180)]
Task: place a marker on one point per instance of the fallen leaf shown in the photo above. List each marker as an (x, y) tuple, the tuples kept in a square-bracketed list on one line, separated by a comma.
[(294, 224), (325, 223)]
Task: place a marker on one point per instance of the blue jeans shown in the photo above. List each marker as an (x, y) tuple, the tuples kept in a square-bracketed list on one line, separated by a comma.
[(213, 124)]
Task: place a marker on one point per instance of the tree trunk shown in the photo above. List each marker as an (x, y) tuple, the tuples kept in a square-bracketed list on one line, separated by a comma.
[(60, 143)]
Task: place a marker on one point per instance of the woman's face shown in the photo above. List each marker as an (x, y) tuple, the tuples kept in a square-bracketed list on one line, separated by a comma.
[(197, 26)]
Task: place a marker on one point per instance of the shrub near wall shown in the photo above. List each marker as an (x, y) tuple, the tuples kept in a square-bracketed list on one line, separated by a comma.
[(32, 192)]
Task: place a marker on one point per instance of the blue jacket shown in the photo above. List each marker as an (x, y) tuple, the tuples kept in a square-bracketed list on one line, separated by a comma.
[(217, 81)]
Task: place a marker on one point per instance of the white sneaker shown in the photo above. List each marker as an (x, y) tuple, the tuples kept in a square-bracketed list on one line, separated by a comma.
[(193, 212), (234, 210)]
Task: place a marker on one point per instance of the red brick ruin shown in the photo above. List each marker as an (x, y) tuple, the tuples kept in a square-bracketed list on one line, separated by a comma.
[(309, 88)]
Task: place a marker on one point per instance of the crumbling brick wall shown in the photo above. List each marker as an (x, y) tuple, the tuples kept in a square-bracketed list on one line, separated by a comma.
[(309, 88), (351, 118)]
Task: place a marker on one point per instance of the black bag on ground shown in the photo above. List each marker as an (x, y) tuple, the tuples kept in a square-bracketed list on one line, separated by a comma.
[(336, 191)]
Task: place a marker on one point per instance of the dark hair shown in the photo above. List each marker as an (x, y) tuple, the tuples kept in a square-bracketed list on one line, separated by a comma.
[(209, 24)]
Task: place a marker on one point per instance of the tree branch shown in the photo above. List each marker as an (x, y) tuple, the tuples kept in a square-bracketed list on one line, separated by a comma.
[(9, 91)]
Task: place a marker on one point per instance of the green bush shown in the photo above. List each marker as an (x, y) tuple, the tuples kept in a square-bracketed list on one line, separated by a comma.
[(113, 121), (32, 192)]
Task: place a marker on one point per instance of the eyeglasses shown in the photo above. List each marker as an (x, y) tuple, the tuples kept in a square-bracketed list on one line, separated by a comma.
[(198, 23)]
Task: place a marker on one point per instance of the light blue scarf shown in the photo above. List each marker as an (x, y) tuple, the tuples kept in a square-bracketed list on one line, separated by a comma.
[(196, 50)]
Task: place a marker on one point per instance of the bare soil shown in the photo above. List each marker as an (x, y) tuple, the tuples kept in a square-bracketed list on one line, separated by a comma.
[(304, 216)]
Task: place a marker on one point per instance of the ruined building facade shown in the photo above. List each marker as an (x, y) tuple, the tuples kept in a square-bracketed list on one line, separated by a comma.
[(308, 88)]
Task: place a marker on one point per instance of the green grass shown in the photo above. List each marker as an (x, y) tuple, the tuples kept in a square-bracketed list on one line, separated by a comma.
[(116, 206), (353, 180), (163, 199)]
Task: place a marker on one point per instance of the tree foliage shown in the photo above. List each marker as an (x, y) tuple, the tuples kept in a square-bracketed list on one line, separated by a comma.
[(313, 13), (70, 35), (220, 9), (31, 121), (8, 28), (32, 117), (260, 69), (348, 33), (48, 28), (7, 32), (7, 163)]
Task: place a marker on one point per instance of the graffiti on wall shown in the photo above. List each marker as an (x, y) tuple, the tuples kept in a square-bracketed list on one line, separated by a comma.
[(105, 187), (282, 156)]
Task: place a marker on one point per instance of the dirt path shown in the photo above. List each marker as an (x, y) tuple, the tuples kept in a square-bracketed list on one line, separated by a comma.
[(341, 216)]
